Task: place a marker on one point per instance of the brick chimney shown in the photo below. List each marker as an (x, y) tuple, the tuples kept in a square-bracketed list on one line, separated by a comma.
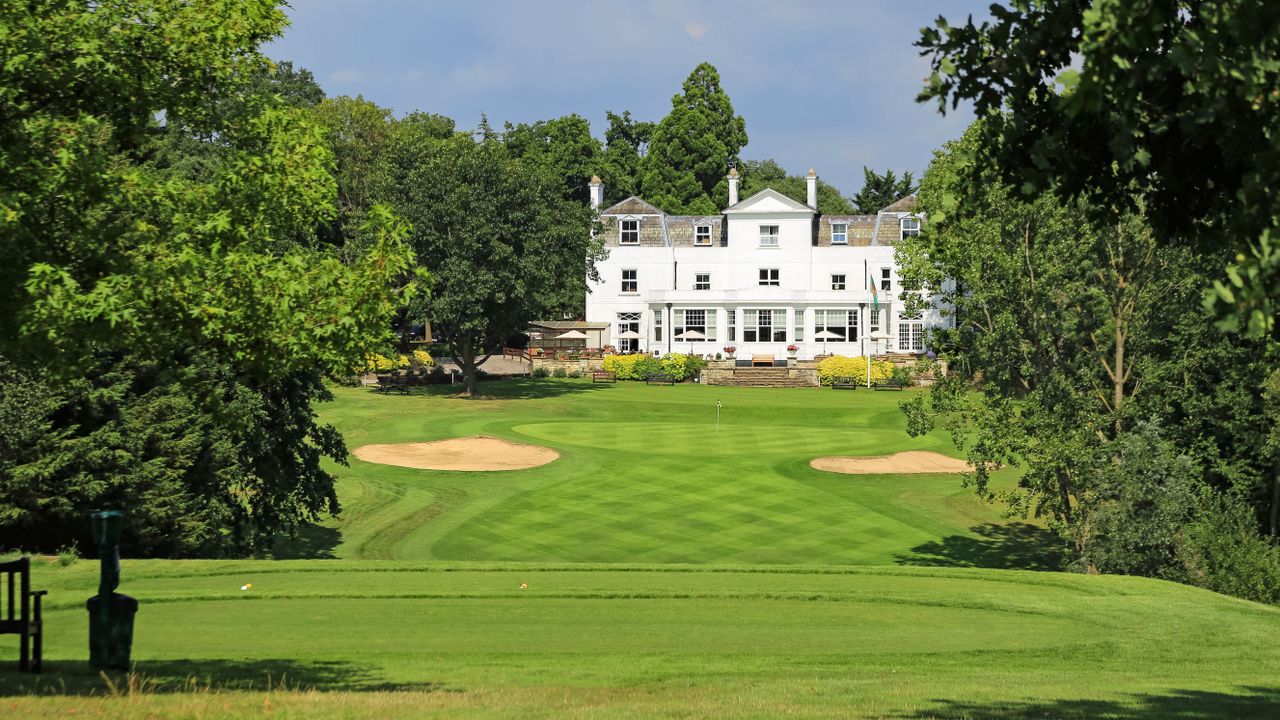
[(733, 186), (811, 180)]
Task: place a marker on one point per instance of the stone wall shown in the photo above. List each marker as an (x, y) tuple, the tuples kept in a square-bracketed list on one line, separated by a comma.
[(584, 365), (796, 374)]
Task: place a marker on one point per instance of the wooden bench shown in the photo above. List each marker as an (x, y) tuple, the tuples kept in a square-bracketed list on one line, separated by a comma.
[(845, 383), (21, 614), (392, 383), (761, 361), (891, 385), (660, 378), (604, 376)]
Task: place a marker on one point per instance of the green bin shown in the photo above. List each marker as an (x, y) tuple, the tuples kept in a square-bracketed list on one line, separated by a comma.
[(111, 634)]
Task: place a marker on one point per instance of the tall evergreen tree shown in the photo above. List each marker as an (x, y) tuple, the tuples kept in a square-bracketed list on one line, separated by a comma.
[(879, 191), (693, 147), (626, 143), (760, 174)]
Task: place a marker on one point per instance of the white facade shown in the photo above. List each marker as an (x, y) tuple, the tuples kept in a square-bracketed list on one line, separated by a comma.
[(767, 273)]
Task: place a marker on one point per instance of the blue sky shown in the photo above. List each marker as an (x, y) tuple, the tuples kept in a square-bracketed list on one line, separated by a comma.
[(829, 85)]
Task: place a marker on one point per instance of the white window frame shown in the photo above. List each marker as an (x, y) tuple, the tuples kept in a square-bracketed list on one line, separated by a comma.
[(769, 240), (733, 325), (777, 324), (770, 277), (910, 333), (628, 321), (680, 323), (623, 231), (886, 279), (697, 281), (634, 280), (830, 319), (842, 283), (842, 234), (657, 325), (908, 227), (697, 232)]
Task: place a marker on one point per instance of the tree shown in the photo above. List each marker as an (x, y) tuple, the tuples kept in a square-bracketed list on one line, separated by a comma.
[(693, 147), (498, 233), (1086, 339), (178, 317), (760, 174), (626, 143), (881, 191), (1176, 104), (564, 145)]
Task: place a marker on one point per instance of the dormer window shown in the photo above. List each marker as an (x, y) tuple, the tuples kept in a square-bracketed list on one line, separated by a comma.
[(910, 227), (839, 234), (702, 235), (630, 232), (768, 236)]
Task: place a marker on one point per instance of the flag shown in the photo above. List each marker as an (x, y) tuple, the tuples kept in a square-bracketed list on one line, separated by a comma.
[(875, 296)]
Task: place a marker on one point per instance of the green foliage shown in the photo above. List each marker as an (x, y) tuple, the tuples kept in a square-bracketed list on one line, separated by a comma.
[(563, 146), (692, 148), (1178, 104), (881, 191), (559, 372), (202, 463), (539, 372), (633, 367), (498, 233), (837, 366), (626, 142), (901, 375), (760, 174), (1221, 551)]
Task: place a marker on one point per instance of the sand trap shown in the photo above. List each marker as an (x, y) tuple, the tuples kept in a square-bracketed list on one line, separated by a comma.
[(472, 453), (915, 461)]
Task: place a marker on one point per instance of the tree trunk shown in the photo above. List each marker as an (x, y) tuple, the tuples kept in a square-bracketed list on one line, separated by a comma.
[(1275, 502), (467, 361)]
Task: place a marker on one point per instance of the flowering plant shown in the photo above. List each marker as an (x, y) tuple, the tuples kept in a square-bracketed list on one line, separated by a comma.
[(792, 348), (730, 349)]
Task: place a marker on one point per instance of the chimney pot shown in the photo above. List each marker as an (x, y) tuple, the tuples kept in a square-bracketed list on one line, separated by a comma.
[(733, 186), (596, 188), (811, 180)]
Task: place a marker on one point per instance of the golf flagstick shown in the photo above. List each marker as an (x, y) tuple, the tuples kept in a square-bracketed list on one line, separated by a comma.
[(717, 416)]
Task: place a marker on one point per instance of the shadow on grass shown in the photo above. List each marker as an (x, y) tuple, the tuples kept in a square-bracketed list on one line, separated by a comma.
[(1250, 702), (1012, 546), (513, 388), (311, 542), (178, 676)]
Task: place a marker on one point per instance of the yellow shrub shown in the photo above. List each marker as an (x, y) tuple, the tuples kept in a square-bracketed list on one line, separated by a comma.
[(631, 367), (422, 358), (853, 367), (375, 362)]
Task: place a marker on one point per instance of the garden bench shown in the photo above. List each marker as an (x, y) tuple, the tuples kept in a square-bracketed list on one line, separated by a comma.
[(20, 614), (845, 383), (660, 378), (891, 385), (604, 376), (761, 361), (389, 383)]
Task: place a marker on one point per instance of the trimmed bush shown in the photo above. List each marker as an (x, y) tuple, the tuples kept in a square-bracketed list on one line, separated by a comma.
[(539, 372), (854, 367), (559, 373), (421, 359)]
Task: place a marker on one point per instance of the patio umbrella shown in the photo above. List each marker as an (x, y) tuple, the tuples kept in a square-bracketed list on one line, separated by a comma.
[(572, 335), (629, 335), (826, 335), (691, 335)]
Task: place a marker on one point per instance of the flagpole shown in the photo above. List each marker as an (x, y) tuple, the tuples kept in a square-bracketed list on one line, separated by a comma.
[(717, 416)]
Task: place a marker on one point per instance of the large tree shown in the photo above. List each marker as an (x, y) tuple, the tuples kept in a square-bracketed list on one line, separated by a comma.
[(500, 236), (1178, 102), (879, 191), (178, 318), (693, 147), (626, 142), (563, 145), (1092, 356)]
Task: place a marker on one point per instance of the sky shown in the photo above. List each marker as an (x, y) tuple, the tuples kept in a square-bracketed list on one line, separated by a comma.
[(827, 85)]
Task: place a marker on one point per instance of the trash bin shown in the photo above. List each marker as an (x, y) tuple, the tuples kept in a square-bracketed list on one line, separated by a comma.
[(111, 633)]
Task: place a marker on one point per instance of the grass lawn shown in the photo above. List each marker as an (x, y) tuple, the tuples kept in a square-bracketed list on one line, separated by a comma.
[(644, 477), (671, 572)]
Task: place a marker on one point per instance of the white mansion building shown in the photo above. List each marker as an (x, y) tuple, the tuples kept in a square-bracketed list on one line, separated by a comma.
[(765, 273)]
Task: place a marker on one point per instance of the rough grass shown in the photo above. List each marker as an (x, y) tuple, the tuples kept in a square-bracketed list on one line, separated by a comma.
[(767, 589)]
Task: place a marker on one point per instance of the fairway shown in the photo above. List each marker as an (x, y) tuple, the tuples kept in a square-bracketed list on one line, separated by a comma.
[(658, 568), (644, 476)]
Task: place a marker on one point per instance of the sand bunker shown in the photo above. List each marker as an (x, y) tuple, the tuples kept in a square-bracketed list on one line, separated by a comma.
[(473, 453), (915, 461)]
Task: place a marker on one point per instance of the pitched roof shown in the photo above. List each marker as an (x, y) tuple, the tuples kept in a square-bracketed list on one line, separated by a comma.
[(632, 206), (769, 196), (902, 204)]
